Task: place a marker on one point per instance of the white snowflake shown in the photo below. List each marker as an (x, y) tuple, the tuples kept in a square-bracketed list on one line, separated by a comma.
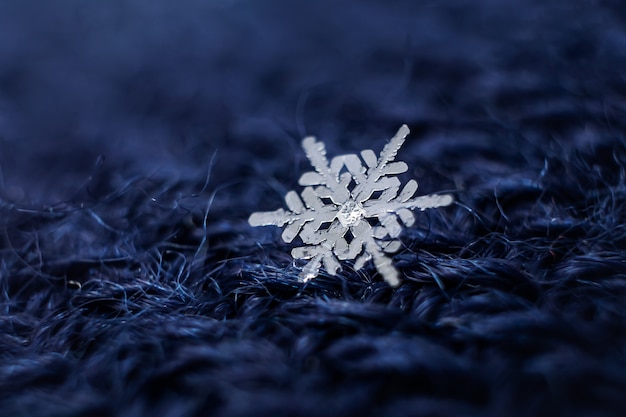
[(350, 211)]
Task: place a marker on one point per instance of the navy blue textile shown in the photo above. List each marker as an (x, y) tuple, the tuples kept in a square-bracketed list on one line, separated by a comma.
[(137, 136)]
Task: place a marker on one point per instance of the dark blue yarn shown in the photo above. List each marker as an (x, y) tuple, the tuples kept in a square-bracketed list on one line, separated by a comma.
[(136, 137)]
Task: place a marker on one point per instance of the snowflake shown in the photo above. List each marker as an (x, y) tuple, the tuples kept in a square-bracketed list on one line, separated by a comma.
[(350, 211)]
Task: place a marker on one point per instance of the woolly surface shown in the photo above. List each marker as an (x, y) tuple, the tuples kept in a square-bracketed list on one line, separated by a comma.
[(137, 137)]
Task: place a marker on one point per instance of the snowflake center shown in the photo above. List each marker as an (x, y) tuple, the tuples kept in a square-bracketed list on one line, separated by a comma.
[(350, 213)]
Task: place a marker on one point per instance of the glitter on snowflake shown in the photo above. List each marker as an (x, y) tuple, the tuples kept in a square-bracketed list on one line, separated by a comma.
[(350, 211)]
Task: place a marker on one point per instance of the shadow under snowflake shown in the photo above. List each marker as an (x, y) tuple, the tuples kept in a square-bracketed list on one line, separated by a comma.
[(350, 211)]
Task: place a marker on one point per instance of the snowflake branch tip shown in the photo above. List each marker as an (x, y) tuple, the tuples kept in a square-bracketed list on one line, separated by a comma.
[(352, 208)]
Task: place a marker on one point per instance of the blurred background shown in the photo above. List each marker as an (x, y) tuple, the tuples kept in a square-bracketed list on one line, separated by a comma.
[(155, 88)]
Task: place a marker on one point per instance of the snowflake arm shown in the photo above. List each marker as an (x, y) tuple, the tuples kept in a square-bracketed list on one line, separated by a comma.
[(327, 177), (332, 215)]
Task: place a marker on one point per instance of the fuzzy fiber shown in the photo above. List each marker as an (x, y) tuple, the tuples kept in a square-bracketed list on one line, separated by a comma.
[(137, 136)]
